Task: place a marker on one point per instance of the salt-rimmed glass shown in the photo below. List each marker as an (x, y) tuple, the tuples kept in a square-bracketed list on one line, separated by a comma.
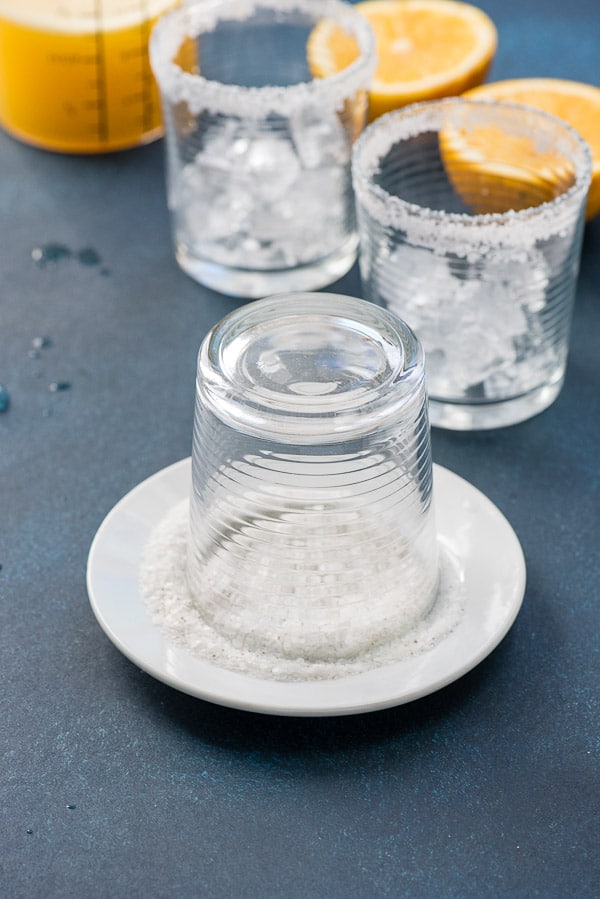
[(258, 150), (471, 217), (312, 531)]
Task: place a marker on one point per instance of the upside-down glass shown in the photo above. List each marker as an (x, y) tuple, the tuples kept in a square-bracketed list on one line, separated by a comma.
[(312, 531), (471, 217), (258, 151)]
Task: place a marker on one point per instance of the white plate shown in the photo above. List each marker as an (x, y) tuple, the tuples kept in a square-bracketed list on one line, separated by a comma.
[(487, 558)]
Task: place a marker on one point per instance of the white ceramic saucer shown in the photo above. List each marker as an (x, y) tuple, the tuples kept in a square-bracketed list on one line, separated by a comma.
[(487, 558)]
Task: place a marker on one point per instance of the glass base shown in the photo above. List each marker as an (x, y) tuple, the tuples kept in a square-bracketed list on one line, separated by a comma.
[(78, 146), (256, 283), (457, 416)]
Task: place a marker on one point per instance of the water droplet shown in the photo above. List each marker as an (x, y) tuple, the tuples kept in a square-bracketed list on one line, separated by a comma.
[(71, 806), (41, 343), (29, 830), (88, 256), (57, 386), (4, 398), (50, 252)]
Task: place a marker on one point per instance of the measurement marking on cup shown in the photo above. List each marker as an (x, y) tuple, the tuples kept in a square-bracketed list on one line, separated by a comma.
[(146, 76), (133, 53), (132, 99), (102, 124), (75, 59)]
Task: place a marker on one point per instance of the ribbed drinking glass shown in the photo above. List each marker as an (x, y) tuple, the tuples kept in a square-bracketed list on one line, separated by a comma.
[(312, 531), (471, 217)]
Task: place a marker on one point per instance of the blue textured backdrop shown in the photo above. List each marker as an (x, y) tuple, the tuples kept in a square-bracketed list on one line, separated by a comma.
[(115, 785)]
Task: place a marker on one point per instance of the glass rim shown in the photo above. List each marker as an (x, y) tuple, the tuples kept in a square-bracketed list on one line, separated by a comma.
[(392, 210), (309, 420), (202, 93)]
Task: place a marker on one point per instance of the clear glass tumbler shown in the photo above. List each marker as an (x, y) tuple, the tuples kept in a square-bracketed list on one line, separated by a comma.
[(258, 151), (471, 217), (312, 531)]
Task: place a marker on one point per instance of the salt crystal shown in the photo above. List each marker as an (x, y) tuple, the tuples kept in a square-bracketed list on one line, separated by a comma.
[(201, 94)]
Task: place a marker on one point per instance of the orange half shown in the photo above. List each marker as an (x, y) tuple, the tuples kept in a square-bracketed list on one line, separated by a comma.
[(494, 171), (427, 49), (576, 103)]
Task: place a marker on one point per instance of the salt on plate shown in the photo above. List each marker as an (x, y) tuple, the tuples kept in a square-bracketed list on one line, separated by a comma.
[(165, 592)]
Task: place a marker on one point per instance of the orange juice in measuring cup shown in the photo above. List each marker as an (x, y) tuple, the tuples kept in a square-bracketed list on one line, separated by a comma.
[(75, 75)]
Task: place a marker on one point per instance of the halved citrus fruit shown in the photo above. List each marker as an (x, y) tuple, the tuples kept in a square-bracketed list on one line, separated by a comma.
[(427, 49), (576, 103), (496, 163)]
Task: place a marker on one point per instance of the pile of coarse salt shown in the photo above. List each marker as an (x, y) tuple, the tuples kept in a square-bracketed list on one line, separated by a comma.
[(164, 589)]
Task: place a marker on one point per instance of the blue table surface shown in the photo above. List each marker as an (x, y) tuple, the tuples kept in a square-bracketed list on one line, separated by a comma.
[(114, 784)]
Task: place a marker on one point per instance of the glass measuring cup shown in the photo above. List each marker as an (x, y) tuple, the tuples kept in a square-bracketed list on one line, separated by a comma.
[(75, 75)]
